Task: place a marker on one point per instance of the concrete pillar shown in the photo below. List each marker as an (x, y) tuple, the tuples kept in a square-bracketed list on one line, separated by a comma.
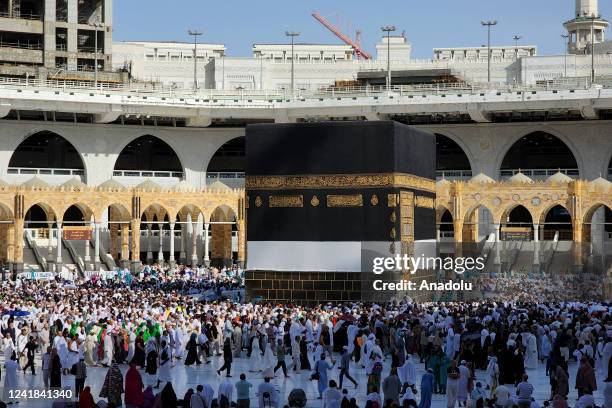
[(72, 41), (438, 233), (194, 242), (497, 232), (206, 242), (160, 255), (136, 264), (171, 260), (96, 257), (536, 232)]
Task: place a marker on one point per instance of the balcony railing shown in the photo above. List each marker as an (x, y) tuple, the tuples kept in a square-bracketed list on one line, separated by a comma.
[(45, 171), (225, 175), (453, 174), (22, 45), (23, 16), (281, 95), (539, 173), (147, 173)]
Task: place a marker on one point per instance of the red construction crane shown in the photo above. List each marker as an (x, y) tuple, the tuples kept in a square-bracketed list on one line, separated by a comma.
[(359, 52)]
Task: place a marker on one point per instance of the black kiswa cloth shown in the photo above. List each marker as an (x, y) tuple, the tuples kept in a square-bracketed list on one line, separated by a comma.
[(339, 148)]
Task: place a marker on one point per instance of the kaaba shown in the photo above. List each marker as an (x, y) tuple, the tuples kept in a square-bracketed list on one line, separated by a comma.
[(317, 194)]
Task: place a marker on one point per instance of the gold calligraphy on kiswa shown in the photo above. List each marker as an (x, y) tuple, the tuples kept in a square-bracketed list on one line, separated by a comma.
[(297, 182), (286, 201), (424, 202), (345, 200)]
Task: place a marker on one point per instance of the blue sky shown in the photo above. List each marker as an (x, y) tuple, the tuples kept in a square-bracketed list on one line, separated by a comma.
[(431, 23)]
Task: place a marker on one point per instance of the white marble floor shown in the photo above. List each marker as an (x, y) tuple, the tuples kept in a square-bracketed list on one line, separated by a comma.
[(189, 377)]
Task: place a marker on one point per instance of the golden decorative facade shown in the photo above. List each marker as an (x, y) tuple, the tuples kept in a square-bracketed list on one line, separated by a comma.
[(123, 209)]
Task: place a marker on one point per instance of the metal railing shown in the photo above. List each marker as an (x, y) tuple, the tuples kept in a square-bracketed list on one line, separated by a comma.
[(453, 174), (225, 175), (45, 171), (22, 16), (22, 45), (281, 95), (539, 173), (147, 173)]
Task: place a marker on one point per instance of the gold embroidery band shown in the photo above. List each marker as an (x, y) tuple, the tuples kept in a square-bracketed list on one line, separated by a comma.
[(385, 180), (424, 202), (288, 201), (349, 200)]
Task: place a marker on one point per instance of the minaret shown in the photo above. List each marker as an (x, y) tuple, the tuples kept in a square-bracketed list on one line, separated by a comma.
[(586, 8), (581, 28)]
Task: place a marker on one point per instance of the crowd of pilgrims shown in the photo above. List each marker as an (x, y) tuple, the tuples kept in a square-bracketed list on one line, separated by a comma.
[(152, 323)]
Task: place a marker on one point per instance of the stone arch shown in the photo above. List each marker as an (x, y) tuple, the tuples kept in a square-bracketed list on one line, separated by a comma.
[(6, 225), (118, 219), (440, 210), (477, 222), (452, 154), (40, 215), (154, 209), (189, 209), (556, 218), (115, 212), (6, 213), (77, 214), (590, 228), (150, 154), (223, 221), (45, 149), (521, 152), (228, 162), (517, 220)]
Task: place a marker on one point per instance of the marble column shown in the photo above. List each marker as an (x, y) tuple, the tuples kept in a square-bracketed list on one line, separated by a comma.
[(497, 259), (87, 257), (58, 254), (536, 233), (194, 242), (50, 240), (160, 255), (171, 260), (183, 255), (96, 257), (149, 243), (136, 263), (125, 244), (19, 228), (206, 243)]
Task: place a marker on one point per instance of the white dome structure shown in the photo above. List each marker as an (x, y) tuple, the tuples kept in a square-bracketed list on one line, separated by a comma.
[(36, 183), (111, 184), (481, 178), (559, 177), (148, 185), (520, 178)]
